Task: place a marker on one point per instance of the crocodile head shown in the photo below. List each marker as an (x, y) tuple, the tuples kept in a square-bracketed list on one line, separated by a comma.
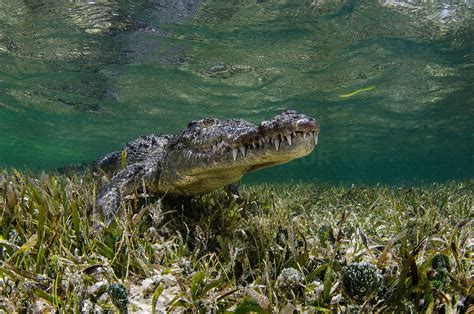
[(211, 153)]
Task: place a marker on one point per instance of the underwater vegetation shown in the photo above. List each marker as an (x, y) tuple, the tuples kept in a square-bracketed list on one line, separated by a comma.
[(282, 248)]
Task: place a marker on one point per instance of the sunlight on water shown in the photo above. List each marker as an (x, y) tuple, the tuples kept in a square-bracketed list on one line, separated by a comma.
[(78, 79)]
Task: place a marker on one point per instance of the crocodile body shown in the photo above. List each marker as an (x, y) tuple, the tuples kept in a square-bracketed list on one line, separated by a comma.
[(207, 155)]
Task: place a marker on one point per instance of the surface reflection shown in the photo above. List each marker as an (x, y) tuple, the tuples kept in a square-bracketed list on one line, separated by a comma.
[(94, 74)]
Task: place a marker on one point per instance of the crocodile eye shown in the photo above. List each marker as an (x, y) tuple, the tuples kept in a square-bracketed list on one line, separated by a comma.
[(208, 122), (203, 123), (192, 123)]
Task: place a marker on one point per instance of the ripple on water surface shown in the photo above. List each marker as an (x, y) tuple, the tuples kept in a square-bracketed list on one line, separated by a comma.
[(79, 79)]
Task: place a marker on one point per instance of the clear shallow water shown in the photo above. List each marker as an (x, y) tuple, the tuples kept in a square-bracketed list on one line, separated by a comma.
[(80, 78)]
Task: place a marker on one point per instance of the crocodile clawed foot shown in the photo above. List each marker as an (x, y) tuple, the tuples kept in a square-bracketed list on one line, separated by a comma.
[(233, 192), (108, 203)]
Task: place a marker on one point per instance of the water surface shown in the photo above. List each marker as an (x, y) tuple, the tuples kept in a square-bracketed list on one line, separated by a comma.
[(78, 79)]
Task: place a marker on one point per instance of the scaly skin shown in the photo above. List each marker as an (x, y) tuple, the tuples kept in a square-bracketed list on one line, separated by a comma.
[(207, 155)]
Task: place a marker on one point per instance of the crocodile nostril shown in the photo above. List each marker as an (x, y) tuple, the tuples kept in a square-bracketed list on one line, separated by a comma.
[(302, 122), (265, 124)]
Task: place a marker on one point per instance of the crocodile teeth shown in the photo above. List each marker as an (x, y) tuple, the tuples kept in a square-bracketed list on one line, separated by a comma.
[(242, 150), (304, 135), (316, 139), (254, 146), (277, 143), (288, 138), (235, 151)]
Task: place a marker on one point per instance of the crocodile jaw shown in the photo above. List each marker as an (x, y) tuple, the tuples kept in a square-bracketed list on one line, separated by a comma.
[(199, 169)]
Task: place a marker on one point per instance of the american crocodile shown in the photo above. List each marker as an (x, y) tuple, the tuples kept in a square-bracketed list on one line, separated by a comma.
[(205, 156)]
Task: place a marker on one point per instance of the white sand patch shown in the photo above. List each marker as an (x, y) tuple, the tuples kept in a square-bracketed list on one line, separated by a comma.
[(141, 295)]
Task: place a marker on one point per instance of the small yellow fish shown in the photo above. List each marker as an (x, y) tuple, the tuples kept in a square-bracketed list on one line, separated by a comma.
[(357, 92)]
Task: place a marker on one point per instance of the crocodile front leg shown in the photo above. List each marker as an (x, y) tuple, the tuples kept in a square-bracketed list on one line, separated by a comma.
[(124, 183), (109, 163)]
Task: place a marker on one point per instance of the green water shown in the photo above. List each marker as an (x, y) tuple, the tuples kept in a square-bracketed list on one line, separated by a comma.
[(80, 78)]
